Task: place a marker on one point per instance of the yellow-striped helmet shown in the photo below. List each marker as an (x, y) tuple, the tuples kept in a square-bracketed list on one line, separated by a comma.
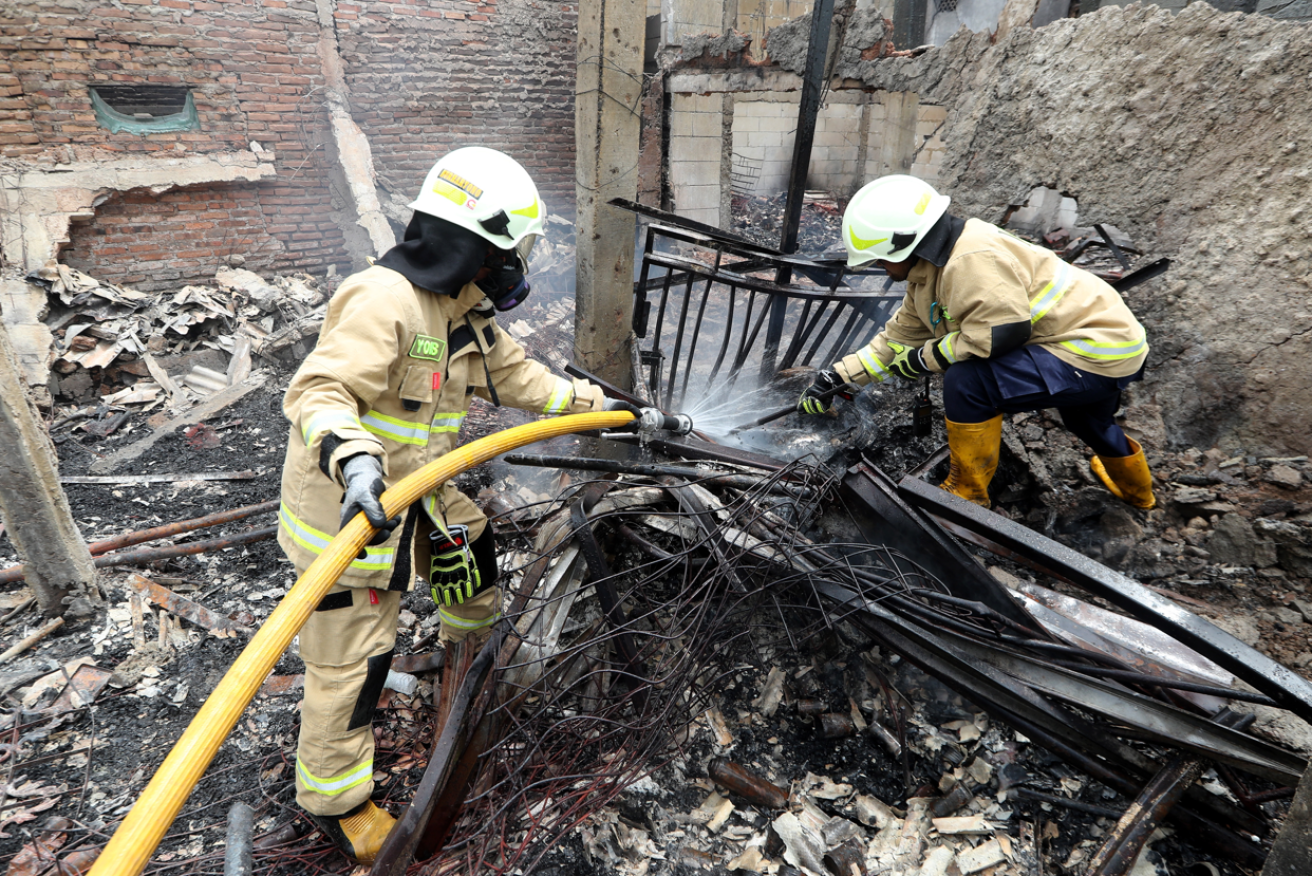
[(487, 192)]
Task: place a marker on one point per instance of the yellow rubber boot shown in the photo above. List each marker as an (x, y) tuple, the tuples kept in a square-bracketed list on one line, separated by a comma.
[(359, 833), (974, 458), (1127, 477)]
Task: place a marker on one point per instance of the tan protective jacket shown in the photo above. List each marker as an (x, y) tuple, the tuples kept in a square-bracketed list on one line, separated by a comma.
[(392, 375), (994, 279)]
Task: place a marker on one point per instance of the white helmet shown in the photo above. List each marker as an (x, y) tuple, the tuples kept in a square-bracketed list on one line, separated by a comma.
[(487, 192), (888, 217)]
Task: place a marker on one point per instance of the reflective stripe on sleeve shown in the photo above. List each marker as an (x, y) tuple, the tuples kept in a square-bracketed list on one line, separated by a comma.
[(561, 398), (448, 422), (873, 366), (401, 431), (335, 785), (376, 558), (1107, 349), (464, 623), (945, 347), (1051, 293), (326, 421)]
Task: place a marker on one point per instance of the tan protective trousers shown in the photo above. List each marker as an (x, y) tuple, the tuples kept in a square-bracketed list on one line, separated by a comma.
[(347, 647)]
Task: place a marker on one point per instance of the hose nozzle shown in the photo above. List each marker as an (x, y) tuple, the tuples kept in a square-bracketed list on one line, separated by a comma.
[(653, 420)]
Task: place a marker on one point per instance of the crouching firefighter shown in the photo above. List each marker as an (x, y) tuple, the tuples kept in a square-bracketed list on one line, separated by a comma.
[(404, 347), (1009, 325)]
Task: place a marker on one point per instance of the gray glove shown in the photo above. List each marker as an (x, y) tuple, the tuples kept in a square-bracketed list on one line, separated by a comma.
[(364, 484), (614, 404)]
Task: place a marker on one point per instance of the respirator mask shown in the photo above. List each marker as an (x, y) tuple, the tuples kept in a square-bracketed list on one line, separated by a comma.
[(505, 285)]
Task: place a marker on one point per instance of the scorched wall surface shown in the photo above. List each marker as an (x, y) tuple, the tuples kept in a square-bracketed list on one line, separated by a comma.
[(422, 77), (252, 69), (427, 76)]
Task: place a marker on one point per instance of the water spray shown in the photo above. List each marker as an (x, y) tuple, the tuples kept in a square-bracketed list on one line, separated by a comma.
[(846, 390)]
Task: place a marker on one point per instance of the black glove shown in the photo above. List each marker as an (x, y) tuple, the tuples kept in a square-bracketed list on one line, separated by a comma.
[(811, 402), (614, 404), (364, 484), (908, 362)]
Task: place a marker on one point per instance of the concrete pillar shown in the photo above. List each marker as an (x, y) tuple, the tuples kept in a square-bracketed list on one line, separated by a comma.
[(607, 122), (1291, 854), (36, 513)]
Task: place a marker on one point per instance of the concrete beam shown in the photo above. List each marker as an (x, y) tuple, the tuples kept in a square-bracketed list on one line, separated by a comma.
[(36, 513), (607, 126), (746, 79)]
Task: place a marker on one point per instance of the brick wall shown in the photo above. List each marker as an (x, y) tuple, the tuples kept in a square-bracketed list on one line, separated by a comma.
[(427, 76), (154, 241), (252, 70)]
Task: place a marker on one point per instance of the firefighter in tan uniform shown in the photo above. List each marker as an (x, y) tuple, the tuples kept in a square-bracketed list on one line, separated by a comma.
[(404, 346), (1010, 326)]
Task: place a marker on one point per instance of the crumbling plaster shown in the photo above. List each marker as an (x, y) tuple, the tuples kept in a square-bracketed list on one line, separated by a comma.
[(40, 202), (1189, 132), (353, 168)]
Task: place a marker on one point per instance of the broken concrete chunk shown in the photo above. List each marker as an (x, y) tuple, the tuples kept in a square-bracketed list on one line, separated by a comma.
[(980, 770), (837, 831), (802, 847), (714, 811), (772, 693), (873, 812), (964, 825), (937, 861), (981, 857)]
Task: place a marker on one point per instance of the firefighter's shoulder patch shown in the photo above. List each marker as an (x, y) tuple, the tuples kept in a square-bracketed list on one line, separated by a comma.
[(425, 347)]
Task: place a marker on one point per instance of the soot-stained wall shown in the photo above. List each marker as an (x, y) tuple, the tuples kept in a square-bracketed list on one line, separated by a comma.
[(253, 71), (421, 78), (1188, 131), (429, 75)]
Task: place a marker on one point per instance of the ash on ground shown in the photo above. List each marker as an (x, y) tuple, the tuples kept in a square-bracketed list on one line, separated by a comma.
[(1230, 537)]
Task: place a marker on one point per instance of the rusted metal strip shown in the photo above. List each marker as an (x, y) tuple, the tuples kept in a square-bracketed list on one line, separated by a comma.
[(896, 524), (398, 850), (481, 729), (186, 609), (1126, 840), (127, 539)]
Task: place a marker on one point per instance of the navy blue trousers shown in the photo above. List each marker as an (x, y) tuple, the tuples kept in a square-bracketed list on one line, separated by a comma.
[(1032, 379)]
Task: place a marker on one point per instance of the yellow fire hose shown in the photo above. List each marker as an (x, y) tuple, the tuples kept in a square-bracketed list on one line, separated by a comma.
[(130, 848)]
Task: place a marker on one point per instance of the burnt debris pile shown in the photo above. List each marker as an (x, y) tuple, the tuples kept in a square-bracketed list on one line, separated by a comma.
[(894, 704)]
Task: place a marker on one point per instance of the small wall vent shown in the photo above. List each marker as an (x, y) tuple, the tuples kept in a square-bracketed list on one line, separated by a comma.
[(140, 108)]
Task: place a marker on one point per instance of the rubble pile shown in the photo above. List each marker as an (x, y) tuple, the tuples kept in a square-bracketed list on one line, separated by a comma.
[(1230, 529), (117, 346), (761, 219), (746, 712)]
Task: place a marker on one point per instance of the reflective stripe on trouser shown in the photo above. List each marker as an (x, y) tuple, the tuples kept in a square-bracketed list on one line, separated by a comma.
[(377, 559), (458, 621), (334, 756)]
